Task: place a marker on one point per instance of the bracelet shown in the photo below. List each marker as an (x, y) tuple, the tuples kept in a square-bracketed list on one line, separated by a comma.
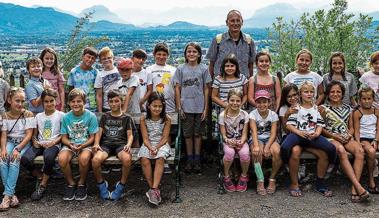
[(17, 149)]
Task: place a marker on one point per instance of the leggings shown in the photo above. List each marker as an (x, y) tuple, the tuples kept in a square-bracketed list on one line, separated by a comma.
[(318, 143), (243, 153)]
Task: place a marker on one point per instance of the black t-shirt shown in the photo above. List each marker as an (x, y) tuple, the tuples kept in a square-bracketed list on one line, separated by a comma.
[(115, 129)]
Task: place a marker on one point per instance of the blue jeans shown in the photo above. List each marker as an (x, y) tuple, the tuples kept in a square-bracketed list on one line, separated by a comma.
[(10, 169), (319, 143)]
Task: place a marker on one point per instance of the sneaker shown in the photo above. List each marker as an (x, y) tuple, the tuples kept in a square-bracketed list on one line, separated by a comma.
[(197, 166), (152, 197), (38, 193), (81, 193), (116, 169), (103, 190), (118, 192), (242, 184), (188, 167), (105, 169), (228, 185), (69, 193), (158, 194), (167, 169)]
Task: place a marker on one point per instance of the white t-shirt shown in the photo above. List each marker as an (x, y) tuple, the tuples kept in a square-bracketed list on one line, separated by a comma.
[(161, 77), (16, 128), (107, 80), (298, 78), (282, 111), (49, 127), (123, 86), (144, 80), (264, 124), (372, 80), (306, 119)]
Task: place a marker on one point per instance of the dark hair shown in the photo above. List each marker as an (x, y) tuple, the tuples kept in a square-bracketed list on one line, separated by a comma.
[(331, 72), (113, 93), (333, 83), (55, 69), (91, 51), (260, 54), (161, 46), (32, 61), (49, 92), (198, 49), (156, 96), (285, 91), (139, 53), (366, 89), (232, 58)]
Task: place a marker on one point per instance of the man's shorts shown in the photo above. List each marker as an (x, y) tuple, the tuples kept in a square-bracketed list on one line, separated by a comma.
[(192, 125)]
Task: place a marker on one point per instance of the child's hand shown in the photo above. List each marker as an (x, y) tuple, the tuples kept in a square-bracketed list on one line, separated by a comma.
[(292, 110), (153, 152), (15, 155), (375, 145), (257, 151), (182, 114), (75, 147), (96, 148), (267, 152), (204, 115), (36, 144), (312, 135), (3, 154), (127, 148)]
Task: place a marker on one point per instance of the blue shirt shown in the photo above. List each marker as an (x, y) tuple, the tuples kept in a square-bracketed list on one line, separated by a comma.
[(80, 127), (33, 90)]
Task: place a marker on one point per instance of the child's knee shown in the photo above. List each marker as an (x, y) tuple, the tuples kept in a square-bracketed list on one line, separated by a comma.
[(244, 157)]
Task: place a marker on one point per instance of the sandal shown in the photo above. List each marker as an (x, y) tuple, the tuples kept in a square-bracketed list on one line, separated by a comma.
[(295, 192), (355, 198), (271, 190), (14, 201), (261, 191), (323, 189), (5, 204), (363, 197), (373, 190)]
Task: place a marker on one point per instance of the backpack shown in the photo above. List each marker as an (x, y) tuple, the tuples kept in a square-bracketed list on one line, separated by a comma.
[(219, 38)]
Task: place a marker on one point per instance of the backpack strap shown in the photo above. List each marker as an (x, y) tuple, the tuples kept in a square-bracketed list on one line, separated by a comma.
[(274, 82), (218, 41), (248, 38)]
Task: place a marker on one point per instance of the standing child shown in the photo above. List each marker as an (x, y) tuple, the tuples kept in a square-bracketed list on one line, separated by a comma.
[(83, 76), (46, 140), (371, 78), (35, 85), (4, 88), (337, 71), (155, 130), (114, 137), (263, 124), (191, 91), (263, 80), (162, 74), (366, 131), (78, 130), (106, 79), (145, 84), (16, 133), (305, 128), (234, 129), (51, 73), (303, 61), (128, 86)]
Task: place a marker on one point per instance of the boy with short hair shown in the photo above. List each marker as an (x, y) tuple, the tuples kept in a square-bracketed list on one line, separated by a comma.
[(83, 76), (145, 84), (106, 79), (127, 85), (114, 137), (78, 130), (162, 74)]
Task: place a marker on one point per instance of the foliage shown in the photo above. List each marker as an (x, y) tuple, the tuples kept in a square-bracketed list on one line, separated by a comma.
[(323, 32), (78, 40)]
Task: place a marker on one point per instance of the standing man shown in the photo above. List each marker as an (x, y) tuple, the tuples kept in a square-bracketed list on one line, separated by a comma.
[(233, 41)]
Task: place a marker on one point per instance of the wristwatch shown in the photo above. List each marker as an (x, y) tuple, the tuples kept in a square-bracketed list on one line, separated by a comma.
[(17, 149)]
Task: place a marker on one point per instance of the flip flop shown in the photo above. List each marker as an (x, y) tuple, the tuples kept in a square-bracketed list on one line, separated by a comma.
[(295, 192), (363, 197), (269, 190), (324, 191), (373, 190)]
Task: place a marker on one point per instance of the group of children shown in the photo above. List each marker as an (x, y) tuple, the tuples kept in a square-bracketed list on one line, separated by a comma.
[(327, 131)]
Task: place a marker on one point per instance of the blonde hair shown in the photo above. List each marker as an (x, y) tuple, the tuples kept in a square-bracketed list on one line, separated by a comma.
[(304, 51), (374, 57), (75, 93), (237, 92), (304, 85), (105, 51)]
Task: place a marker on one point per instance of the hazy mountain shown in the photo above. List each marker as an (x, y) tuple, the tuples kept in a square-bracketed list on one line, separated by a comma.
[(102, 13), (182, 25), (266, 16), (374, 15)]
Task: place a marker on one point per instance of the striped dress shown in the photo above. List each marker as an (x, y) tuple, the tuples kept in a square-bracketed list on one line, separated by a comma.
[(155, 132)]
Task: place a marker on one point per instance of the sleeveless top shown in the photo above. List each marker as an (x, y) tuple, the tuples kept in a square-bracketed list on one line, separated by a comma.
[(269, 88), (368, 125)]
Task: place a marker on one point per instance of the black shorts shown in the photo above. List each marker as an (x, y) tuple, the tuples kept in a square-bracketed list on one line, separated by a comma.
[(367, 140), (112, 150)]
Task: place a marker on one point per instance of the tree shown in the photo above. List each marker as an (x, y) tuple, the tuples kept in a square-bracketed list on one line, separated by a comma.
[(323, 32), (79, 39)]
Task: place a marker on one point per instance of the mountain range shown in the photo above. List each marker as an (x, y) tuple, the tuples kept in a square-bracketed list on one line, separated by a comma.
[(15, 19)]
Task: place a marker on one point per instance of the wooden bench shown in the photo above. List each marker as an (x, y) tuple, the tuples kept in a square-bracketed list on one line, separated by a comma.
[(174, 157)]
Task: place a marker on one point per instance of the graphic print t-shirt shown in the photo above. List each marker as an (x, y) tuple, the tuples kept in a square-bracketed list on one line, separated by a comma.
[(115, 129), (306, 119), (49, 127), (107, 80), (264, 124)]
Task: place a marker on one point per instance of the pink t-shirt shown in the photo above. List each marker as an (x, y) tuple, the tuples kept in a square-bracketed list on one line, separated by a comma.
[(372, 80), (55, 81)]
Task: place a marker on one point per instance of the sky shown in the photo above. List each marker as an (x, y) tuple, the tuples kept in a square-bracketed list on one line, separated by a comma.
[(247, 7)]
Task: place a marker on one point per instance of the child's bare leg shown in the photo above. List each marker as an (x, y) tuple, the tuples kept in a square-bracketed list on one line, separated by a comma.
[(276, 159), (189, 146), (293, 165), (97, 160), (64, 160), (146, 168), (158, 172), (126, 160), (197, 140), (371, 156), (84, 161)]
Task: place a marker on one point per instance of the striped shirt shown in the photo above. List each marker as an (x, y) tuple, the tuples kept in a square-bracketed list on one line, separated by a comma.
[(224, 86)]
